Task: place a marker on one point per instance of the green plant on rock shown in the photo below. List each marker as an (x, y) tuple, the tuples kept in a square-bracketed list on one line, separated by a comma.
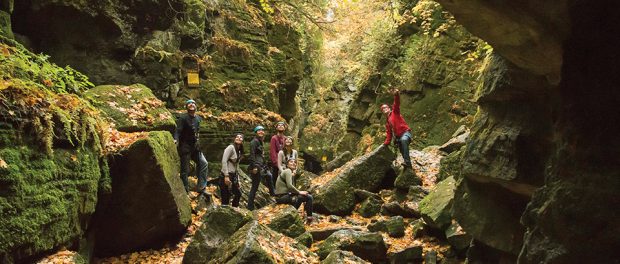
[(40, 97)]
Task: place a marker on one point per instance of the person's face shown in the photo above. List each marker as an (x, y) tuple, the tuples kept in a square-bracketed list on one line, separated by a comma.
[(386, 109), (260, 133), (291, 164), (190, 107), (239, 139), (280, 127), (288, 142)]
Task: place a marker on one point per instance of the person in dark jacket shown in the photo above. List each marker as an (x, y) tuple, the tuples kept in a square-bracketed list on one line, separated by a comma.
[(258, 168), (229, 179), (186, 138), (287, 193), (397, 128)]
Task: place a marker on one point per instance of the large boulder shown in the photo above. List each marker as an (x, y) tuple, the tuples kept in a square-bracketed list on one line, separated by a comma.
[(338, 161), (366, 172), (131, 108), (342, 257), (370, 207), (282, 218), (407, 178), (478, 210), (256, 243), (437, 205), (366, 245), (148, 205), (219, 225), (46, 199)]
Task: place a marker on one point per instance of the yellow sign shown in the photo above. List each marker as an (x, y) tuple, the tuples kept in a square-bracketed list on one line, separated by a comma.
[(324, 158), (193, 79)]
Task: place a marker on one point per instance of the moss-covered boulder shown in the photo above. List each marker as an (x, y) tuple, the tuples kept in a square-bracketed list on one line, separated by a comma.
[(437, 205), (148, 205), (46, 200), (256, 243), (338, 161), (282, 218), (394, 226), (343, 257), (366, 172), (131, 108), (407, 178), (219, 224), (305, 239), (370, 207), (366, 245)]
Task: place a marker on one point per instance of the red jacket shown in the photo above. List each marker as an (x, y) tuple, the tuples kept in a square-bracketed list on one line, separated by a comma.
[(395, 122), (275, 145)]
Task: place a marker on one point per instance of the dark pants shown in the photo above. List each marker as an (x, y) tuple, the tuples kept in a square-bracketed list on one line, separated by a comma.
[(275, 172), (263, 174), (202, 168), (403, 145), (226, 191), (296, 200)]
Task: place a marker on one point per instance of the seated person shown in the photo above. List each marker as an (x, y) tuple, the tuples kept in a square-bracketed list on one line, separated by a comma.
[(286, 193)]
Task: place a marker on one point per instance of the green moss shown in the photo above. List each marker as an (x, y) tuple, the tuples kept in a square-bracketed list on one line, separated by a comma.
[(46, 199)]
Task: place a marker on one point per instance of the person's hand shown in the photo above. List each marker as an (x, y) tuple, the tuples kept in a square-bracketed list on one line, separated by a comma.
[(304, 193), (394, 91), (227, 181), (254, 170), (176, 142)]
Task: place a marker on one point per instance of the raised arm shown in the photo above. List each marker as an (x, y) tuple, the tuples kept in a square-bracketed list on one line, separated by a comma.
[(396, 106)]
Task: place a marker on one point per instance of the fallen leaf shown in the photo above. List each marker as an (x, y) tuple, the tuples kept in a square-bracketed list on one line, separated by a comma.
[(3, 164)]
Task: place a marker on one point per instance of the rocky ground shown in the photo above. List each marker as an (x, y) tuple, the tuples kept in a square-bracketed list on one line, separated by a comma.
[(426, 166)]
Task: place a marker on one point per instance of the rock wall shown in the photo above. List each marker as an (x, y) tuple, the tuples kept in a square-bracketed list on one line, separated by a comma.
[(543, 148), (51, 166), (244, 58)]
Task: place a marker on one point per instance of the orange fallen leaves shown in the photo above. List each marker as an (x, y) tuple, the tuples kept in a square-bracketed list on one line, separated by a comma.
[(3, 164), (118, 141)]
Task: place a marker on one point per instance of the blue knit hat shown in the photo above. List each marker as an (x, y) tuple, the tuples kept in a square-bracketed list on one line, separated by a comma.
[(257, 128)]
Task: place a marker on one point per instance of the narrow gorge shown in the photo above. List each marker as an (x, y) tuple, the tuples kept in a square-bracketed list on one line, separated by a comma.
[(514, 143)]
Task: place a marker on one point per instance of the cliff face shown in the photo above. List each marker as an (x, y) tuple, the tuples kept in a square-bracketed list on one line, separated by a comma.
[(244, 58), (421, 51), (544, 142)]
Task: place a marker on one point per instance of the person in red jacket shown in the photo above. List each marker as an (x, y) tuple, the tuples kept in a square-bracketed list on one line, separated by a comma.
[(397, 128)]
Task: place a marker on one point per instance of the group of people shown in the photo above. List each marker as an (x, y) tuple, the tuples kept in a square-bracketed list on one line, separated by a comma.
[(279, 173)]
